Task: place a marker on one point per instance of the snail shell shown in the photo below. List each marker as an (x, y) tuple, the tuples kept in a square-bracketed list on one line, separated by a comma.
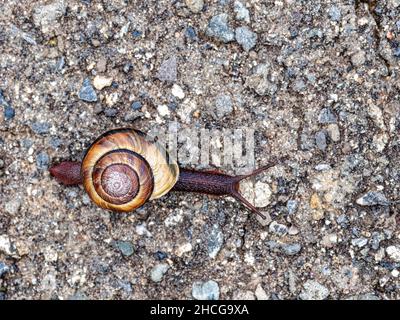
[(124, 168)]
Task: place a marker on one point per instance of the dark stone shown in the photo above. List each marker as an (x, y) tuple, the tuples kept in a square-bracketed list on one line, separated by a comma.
[(160, 255), (9, 112), (136, 33), (136, 105), (87, 92)]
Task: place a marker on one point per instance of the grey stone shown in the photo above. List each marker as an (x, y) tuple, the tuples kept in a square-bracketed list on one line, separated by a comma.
[(246, 38), (260, 81), (359, 242), (110, 112), (291, 249), (376, 239), (208, 290), (60, 64), (136, 105), (334, 13), (195, 5), (40, 127), (215, 239), (3, 101), (299, 86), (125, 247), (242, 13), (219, 28), (158, 271), (358, 58), (291, 206), (278, 229), (55, 142), (327, 116), (313, 290), (42, 160), (320, 140), (12, 207), (373, 198), (168, 70), (3, 269), (45, 16), (87, 92), (9, 113), (223, 105)]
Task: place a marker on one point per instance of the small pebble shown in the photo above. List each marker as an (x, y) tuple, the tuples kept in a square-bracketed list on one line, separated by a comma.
[(215, 239), (359, 242), (291, 249), (12, 207), (3, 101), (9, 112), (40, 127), (358, 58), (394, 253), (223, 105), (161, 255), (219, 28), (208, 290), (373, 198), (157, 273), (195, 5), (125, 247), (320, 140), (55, 142), (190, 33), (242, 14), (334, 13), (101, 65), (3, 269), (127, 67), (42, 160), (327, 116), (87, 92), (110, 112), (278, 229), (163, 110), (168, 70), (313, 290), (5, 244), (246, 38), (136, 33), (177, 92), (136, 105), (100, 82), (291, 206)]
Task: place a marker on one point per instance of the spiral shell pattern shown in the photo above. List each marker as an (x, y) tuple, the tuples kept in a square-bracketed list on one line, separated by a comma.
[(124, 168)]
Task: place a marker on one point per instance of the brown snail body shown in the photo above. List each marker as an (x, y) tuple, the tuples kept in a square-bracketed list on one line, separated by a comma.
[(124, 168)]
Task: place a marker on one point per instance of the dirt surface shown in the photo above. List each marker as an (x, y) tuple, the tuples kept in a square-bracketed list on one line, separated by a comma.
[(318, 81)]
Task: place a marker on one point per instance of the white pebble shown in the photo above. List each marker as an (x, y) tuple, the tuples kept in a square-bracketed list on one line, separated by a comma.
[(177, 92), (163, 110)]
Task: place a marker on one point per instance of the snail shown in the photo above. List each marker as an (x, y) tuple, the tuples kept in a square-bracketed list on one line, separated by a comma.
[(124, 168)]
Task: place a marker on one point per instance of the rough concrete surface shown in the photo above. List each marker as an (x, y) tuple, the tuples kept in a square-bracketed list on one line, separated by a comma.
[(317, 80)]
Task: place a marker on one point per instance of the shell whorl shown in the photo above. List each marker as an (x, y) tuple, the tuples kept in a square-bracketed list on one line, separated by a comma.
[(124, 168)]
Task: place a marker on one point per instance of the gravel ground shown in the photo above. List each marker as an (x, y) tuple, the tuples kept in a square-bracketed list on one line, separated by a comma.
[(318, 81)]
